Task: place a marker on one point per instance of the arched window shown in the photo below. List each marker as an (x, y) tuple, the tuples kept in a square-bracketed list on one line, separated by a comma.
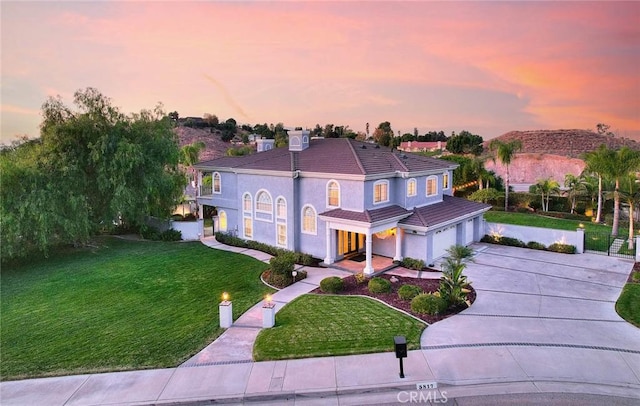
[(309, 220), (217, 187), (247, 203), (281, 208), (222, 221), (263, 202), (333, 194), (294, 142), (381, 191), (432, 186), (305, 139), (412, 186)]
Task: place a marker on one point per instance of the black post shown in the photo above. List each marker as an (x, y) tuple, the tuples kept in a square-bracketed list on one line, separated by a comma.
[(401, 369), (400, 346)]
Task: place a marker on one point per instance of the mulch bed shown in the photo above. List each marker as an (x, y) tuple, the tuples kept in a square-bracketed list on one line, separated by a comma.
[(351, 287)]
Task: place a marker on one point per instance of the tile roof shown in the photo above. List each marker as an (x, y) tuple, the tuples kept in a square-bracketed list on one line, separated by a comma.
[(335, 156), (449, 209), (368, 216)]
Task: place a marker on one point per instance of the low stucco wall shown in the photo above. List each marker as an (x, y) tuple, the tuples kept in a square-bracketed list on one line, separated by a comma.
[(191, 230), (544, 236)]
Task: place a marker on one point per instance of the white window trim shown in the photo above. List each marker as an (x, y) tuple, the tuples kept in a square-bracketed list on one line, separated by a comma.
[(315, 219), (221, 214), (269, 212), (213, 183), (339, 194), (426, 192), (247, 237), (285, 235), (285, 208), (244, 210), (448, 186), (380, 182), (415, 187)]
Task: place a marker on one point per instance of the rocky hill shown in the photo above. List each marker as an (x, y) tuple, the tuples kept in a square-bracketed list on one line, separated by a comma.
[(215, 147), (571, 143)]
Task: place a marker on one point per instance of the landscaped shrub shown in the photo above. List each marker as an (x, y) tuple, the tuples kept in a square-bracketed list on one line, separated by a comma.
[(171, 235), (635, 277), (279, 280), (299, 258), (512, 242), (459, 252), (536, 245), (283, 264), (360, 277), (412, 263), (229, 239), (332, 284), (453, 283), (562, 248), (408, 292), (427, 303), (379, 285)]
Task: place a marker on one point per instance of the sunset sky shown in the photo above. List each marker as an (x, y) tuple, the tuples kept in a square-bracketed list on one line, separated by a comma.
[(487, 67)]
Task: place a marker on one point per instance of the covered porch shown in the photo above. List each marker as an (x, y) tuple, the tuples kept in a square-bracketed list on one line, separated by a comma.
[(353, 264)]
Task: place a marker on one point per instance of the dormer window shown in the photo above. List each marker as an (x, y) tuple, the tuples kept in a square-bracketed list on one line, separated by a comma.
[(432, 186), (412, 187), (333, 194), (381, 191)]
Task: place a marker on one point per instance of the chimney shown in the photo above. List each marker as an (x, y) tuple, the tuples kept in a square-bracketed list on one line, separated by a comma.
[(298, 140), (264, 144)]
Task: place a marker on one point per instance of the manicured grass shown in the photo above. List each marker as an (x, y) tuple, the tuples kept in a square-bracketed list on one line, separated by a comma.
[(325, 325), (124, 305), (540, 220), (628, 304)]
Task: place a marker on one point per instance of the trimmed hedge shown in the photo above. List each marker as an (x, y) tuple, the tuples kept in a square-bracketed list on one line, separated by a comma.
[(408, 292), (412, 263), (562, 248), (228, 239), (379, 285), (427, 303), (536, 245), (332, 284)]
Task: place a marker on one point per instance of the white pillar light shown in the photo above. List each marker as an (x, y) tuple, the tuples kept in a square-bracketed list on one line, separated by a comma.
[(328, 259), (368, 269), (268, 313), (226, 311), (398, 256)]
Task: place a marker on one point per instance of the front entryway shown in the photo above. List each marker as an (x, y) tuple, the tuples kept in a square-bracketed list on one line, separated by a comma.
[(349, 242)]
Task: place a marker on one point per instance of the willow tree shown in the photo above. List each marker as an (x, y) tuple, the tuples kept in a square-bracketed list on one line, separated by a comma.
[(505, 151)]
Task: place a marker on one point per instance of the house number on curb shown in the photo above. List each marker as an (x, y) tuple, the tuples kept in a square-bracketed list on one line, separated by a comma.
[(426, 385)]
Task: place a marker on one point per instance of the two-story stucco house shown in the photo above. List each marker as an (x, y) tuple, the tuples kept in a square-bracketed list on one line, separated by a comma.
[(332, 198)]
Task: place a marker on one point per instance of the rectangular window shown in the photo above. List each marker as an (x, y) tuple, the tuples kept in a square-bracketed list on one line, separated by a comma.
[(248, 227), (432, 187), (380, 192), (216, 183), (282, 235), (411, 187), (445, 180)]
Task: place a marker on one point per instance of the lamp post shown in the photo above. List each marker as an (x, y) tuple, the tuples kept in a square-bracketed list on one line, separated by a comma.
[(294, 274), (225, 309), (268, 312)]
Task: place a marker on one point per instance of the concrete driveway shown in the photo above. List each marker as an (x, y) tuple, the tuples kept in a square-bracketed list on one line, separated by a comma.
[(538, 316)]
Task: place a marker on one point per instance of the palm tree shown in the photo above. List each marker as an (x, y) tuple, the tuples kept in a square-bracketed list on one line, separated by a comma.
[(190, 154), (630, 194), (545, 187), (505, 152), (596, 162), (621, 164), (575, 186)]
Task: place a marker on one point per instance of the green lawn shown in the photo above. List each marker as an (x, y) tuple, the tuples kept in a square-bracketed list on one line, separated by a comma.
[(539, 220), (628, 304), (325, 325), (125, 305)]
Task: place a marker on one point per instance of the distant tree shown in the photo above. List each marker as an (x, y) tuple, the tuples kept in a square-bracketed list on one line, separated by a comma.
[(329, 132), (317, 131), (383, 135), (603, 129), (211, 119), (415, 132), (264, 130), (575, 187), (545, 187), (485, 195), (173, 116), (596, 163), (246, 127), (505, 151), (190, 155), (465, 143), (630, 194), (246, 150)]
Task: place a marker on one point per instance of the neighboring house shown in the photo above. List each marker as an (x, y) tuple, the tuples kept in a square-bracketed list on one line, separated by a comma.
[(332, 198), (416, 146)]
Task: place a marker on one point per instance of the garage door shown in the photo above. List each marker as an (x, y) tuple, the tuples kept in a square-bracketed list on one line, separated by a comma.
[(442, 240), (469, 233)]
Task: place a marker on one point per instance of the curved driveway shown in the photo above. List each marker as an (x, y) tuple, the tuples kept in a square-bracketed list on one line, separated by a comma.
[(538, 316)]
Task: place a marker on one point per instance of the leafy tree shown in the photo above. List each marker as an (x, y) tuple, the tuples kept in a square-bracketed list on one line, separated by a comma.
[(619, 165), (173, 116), (603, 129), (505, 152), (190, 155), (329, 132), (383, 135), (317, 131), (465, 143), (485, 195), (211, 119), (596, 162), (545, 187), (91, 168)]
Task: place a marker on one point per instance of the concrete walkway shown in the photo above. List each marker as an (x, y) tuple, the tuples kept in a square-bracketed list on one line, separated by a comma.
[(542, 330)]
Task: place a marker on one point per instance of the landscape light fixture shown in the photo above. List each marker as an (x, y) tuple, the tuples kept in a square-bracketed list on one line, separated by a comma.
[(400, 346), (225, 297)]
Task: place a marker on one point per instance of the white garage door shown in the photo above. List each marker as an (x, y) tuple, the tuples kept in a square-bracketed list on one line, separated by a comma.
[(442, 240), (469, 233)]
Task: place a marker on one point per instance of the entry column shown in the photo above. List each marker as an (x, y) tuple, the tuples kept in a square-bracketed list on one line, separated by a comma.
[(368, 269), (398, 256), (328, 259)]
